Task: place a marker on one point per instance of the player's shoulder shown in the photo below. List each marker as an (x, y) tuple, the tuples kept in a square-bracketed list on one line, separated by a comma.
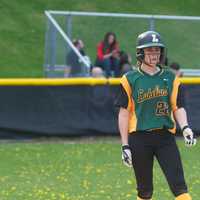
[(133, 74), (129, 77), (167, 70), (168, 73)]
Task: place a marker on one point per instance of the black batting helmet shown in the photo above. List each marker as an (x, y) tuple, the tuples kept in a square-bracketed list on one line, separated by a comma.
[(149, 39)]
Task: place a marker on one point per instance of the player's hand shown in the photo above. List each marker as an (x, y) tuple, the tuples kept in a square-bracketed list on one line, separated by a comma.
[(126, 155), (189, 137)]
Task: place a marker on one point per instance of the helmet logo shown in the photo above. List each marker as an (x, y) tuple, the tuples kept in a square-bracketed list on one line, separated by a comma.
[(154, 38)]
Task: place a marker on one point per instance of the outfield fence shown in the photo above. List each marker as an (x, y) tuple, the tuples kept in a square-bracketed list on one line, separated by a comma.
[(71, 107)]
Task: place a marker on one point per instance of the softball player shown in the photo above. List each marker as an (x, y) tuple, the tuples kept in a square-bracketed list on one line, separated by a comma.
[(149, 102)]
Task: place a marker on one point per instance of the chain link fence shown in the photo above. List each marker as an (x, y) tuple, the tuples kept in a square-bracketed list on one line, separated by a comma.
[(180, 33)]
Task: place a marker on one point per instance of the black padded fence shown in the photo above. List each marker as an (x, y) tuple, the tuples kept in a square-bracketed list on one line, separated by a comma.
[(70, 110)]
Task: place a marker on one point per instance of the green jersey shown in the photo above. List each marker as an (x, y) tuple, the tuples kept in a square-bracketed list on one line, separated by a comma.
[(151, 99)]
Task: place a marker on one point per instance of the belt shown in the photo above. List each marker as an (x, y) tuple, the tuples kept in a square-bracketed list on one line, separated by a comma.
[(154, 130)]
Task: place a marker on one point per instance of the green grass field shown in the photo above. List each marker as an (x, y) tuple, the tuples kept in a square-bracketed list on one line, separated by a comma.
[(80, 171), (23, 29)]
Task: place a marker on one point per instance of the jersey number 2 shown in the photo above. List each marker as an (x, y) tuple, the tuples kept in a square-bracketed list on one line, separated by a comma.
[(162, 108)]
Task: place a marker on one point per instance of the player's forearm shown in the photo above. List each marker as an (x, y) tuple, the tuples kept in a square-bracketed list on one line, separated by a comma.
[(123, 121), (181, 117)]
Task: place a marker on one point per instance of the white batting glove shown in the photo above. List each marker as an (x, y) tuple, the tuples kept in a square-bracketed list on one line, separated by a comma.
[(189, 137), (126, 155)]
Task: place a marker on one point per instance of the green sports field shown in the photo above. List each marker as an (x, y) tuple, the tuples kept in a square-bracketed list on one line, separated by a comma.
[(80, 170)]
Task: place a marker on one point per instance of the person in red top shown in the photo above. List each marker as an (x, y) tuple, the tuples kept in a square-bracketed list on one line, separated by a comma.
[(108, 55)]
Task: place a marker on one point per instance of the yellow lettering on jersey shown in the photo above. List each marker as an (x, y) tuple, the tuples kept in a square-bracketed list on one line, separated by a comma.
[(151, 93)]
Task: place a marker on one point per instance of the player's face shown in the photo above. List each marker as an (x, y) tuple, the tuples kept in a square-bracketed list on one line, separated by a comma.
[(152, 55)]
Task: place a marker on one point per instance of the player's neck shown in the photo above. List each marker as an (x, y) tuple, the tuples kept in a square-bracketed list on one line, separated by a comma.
[(150, 69)]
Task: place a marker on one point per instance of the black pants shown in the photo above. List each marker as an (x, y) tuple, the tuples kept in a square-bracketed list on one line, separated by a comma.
[(162, 145)]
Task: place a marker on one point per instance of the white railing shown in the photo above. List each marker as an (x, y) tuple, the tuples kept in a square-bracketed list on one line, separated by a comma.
[(144, 16), (191, 72)]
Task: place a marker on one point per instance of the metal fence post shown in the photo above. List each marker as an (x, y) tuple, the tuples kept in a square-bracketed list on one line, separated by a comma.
[(69, 26), (52, 49), (46, 50), (68, 30), (152, 24)]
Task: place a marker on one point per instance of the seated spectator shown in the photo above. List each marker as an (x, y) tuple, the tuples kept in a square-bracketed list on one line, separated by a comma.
[(175, 67), (125, 63), (97, 72), (108, 55), (75, 66)]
